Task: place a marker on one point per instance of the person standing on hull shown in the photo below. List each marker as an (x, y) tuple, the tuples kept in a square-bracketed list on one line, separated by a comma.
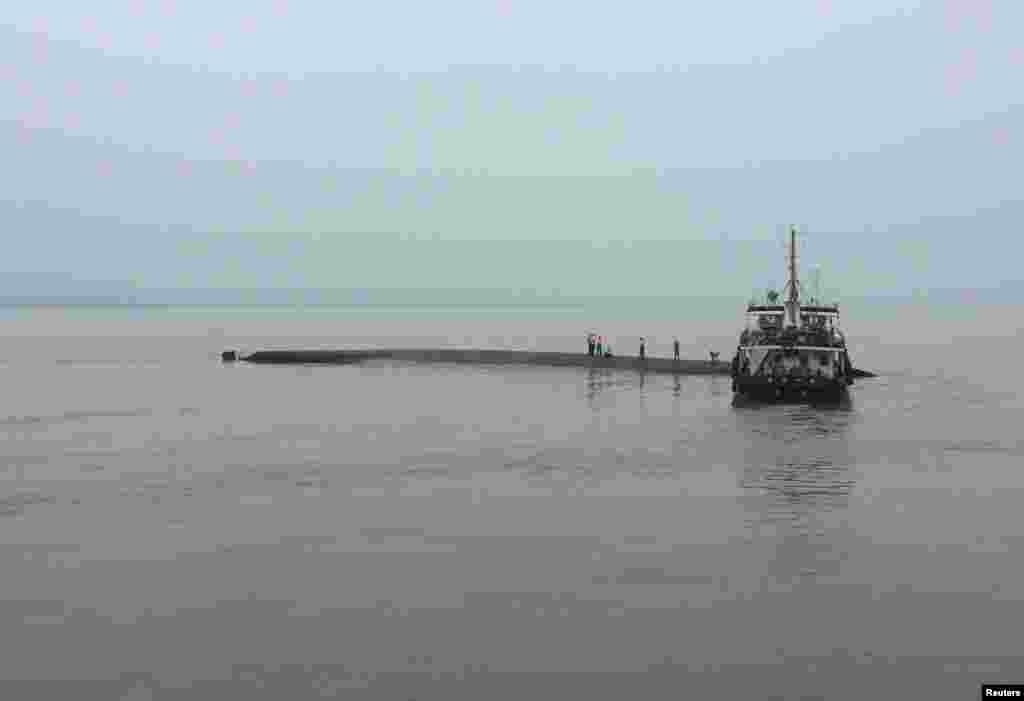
[(675, 349), (590, 344), (643, 348), (599, 346)]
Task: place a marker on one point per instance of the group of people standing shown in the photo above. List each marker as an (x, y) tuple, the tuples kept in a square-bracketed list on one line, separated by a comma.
[(598, 346)]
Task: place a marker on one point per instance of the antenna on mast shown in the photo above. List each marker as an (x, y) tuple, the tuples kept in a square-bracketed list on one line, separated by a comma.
[(816, 272)]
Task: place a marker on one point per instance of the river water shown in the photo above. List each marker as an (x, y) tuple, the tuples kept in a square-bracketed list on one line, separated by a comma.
[(171, 527)]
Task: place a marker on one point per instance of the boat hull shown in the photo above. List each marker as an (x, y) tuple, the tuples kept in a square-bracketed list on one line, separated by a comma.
[(791, 389)]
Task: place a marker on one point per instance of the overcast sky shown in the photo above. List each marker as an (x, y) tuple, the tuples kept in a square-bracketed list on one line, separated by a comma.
[(311, 144)]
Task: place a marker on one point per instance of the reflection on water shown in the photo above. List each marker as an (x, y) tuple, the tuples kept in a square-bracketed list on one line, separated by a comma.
[(797, 471), (844, 403), (800, 486), (720, 385), (600, 380), (596, 381), (799, 453)]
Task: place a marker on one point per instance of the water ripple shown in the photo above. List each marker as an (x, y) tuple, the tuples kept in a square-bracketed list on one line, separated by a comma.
[(69, 416)]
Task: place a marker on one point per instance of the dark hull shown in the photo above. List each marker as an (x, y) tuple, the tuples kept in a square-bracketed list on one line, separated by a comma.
[(760, 388), (481, 357)]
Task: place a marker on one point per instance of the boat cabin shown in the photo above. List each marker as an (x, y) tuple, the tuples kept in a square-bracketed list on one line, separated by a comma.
[(791, 361), (814, 349), (765, 317)]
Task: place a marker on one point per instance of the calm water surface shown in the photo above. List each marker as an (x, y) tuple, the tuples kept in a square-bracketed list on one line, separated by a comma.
[(171, 527)]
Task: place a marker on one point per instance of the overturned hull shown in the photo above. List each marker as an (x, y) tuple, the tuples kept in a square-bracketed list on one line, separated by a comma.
[(475, 356), (483, 357), (312, 357)]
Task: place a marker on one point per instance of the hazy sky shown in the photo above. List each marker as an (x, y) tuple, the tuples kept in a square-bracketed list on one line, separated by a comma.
[(507, 143)]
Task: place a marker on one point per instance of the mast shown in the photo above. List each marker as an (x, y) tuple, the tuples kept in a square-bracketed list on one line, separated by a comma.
[(817, 286), (793, 299)]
